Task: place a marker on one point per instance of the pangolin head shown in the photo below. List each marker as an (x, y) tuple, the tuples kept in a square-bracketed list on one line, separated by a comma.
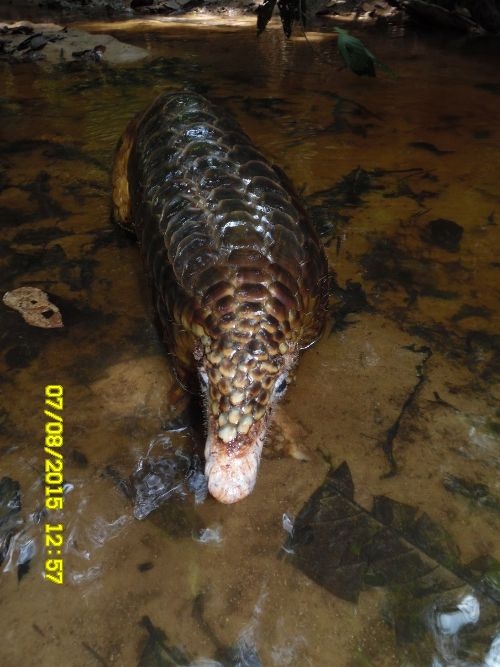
[(241, 382)]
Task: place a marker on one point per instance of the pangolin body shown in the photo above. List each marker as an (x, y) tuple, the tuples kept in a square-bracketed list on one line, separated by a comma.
[(239, 274)]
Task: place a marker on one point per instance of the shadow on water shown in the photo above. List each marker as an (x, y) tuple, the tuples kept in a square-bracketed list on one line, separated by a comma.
[(379, 546)]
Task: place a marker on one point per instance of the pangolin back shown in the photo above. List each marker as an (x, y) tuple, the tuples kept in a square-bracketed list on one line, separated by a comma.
[(240, 275)]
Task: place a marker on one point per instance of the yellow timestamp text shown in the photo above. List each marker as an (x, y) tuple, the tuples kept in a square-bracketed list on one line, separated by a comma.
[(54, 480)]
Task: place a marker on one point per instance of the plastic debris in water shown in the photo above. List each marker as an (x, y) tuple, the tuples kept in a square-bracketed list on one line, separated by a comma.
[(35, 307), (209, 535), (10, 508), (492, 659), (449, 623), (26, 552), (287, 523), (165, 471), (197, 482)]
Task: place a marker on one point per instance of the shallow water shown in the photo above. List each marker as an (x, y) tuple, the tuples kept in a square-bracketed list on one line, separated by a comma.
[(404, 387)]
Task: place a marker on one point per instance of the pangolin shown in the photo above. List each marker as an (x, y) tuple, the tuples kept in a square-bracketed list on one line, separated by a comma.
[(238, 272)]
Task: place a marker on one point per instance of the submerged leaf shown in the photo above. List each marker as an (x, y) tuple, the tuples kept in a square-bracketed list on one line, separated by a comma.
[(345, 549), (420, 530), (35, 307)]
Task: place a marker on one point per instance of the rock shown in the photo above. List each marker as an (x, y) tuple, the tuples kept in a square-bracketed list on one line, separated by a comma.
[(34, 43), (61, 43)]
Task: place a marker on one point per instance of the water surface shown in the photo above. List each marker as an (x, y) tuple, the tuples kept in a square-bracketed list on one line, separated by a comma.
[(401, 176)]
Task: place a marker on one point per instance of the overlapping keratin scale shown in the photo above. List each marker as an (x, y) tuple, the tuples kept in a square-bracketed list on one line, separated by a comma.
[(218, 202), (239, 272)]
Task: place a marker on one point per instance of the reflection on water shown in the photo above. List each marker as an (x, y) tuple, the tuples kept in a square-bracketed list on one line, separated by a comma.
[(394, 560)]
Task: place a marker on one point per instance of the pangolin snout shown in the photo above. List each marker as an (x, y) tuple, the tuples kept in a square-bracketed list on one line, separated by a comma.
[(231, 468)]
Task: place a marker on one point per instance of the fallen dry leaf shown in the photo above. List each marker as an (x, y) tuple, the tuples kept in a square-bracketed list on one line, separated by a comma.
[(35, 307)]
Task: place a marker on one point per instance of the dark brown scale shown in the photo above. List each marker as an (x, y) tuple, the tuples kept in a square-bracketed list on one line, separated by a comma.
[(197, 149), (278, 309), (241, 336), (217, 290), (225, 404), (261, 186), (283, 220), (269, 202), (206, 167), (227, 320), (281, 275), (235, 218), (270, 340), (249, 323), (283, 294), (226, 192), (246, 257), (248, 275), (225, 386), (237, 235), (252, 291), (279, 335), (257, 348), (255, 168), (243, 153), (225, 304), (267, 382), (254, 390), (262, 397), (285, 239), (227, 205)]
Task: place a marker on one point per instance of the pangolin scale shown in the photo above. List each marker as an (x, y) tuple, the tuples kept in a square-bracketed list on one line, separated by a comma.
[(239, 274)]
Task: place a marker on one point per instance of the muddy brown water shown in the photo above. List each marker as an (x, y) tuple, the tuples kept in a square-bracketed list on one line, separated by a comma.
[(401, 175)]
